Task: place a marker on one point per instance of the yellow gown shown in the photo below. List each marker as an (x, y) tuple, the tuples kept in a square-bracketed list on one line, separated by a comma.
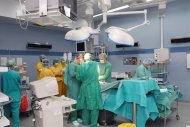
[(46, 72), (57, 70), (39, 67)]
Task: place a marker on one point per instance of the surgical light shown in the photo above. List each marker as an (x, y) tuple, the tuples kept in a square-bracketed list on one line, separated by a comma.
[(77, 36), (120, 36), (81, 34)]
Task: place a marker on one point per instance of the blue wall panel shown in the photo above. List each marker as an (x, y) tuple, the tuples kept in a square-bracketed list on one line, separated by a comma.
[(13, 42)]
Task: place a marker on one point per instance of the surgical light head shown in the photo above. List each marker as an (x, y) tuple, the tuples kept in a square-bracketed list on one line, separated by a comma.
[(77, 36), (120, 36), (81, 34)]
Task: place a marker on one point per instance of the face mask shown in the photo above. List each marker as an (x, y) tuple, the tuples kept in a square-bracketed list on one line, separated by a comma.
[(45, 65), (102, 61)]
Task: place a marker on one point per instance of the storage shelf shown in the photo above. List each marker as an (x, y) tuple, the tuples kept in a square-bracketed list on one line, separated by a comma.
[(3, 98), (69, 111), (159, 73), (4, 122)]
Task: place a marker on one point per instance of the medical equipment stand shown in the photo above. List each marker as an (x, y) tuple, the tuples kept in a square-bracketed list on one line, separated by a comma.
[(174, 109), (50, 111), (134, 113), (4, 100)]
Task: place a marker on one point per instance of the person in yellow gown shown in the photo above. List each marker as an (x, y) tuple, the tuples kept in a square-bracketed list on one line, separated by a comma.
[(62, 67), (57, 71), (46, 71), (39, 66)]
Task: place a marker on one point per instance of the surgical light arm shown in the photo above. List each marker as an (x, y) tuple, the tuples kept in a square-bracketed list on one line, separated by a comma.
[(146, 22)]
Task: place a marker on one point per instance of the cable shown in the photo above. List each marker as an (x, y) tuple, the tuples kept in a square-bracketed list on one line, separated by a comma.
[(22, 22), (35, 106)]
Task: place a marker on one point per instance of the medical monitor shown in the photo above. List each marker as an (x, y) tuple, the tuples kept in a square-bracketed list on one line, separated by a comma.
[(80, 47), (45, 87)]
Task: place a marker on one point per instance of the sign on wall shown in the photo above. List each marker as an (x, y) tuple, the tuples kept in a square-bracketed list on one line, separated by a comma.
[(130, 61), (188, 60)]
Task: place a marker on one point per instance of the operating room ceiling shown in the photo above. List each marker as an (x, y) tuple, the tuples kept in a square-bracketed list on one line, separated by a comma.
[(134, 5), (81, 6)]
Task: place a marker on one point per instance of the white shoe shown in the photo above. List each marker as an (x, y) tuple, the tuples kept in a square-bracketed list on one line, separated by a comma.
[(79, 120), (75, 123)]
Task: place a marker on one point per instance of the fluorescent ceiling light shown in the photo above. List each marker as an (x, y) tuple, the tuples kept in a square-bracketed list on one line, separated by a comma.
[(113, 10), (148, 0)]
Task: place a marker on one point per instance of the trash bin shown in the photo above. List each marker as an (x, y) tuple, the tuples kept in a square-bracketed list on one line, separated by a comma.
[(127, 125), (106, 118)]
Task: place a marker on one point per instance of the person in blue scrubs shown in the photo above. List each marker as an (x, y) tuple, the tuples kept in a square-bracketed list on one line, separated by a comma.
[(89, 99), (73, 86), (104, 69), (10, 85), (144, 71)]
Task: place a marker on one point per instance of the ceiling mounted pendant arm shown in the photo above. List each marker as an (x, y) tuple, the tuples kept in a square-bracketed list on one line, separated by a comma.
[(119, 35), (104, 5), (104, 21), (126, 13), (146, 22)]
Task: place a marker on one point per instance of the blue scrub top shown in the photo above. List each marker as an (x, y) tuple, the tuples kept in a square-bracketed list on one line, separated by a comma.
[(10, 84)]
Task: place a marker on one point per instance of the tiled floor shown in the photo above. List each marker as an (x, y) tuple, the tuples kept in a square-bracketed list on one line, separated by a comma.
[(184, 112)]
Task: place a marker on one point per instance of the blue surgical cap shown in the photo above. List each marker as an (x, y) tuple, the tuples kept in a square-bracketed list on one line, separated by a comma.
[(148, 61)]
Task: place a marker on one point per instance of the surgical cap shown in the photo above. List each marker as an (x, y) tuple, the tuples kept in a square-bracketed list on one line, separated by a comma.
[(62, 59), (42, 57), (87, 56), (55, 61), (11, 63), (103, 55), (148, 61), (45, 62)]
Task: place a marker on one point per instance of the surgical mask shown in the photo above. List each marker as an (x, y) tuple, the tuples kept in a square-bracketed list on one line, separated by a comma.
[(45, 65), (102, 61)]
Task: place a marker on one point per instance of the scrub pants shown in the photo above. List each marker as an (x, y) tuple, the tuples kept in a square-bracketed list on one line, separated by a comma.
[(62, 88), (90, 116), (14, 109), (74, 114)]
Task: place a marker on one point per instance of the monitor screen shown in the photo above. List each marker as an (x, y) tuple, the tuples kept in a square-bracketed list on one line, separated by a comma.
[(80, 47)]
